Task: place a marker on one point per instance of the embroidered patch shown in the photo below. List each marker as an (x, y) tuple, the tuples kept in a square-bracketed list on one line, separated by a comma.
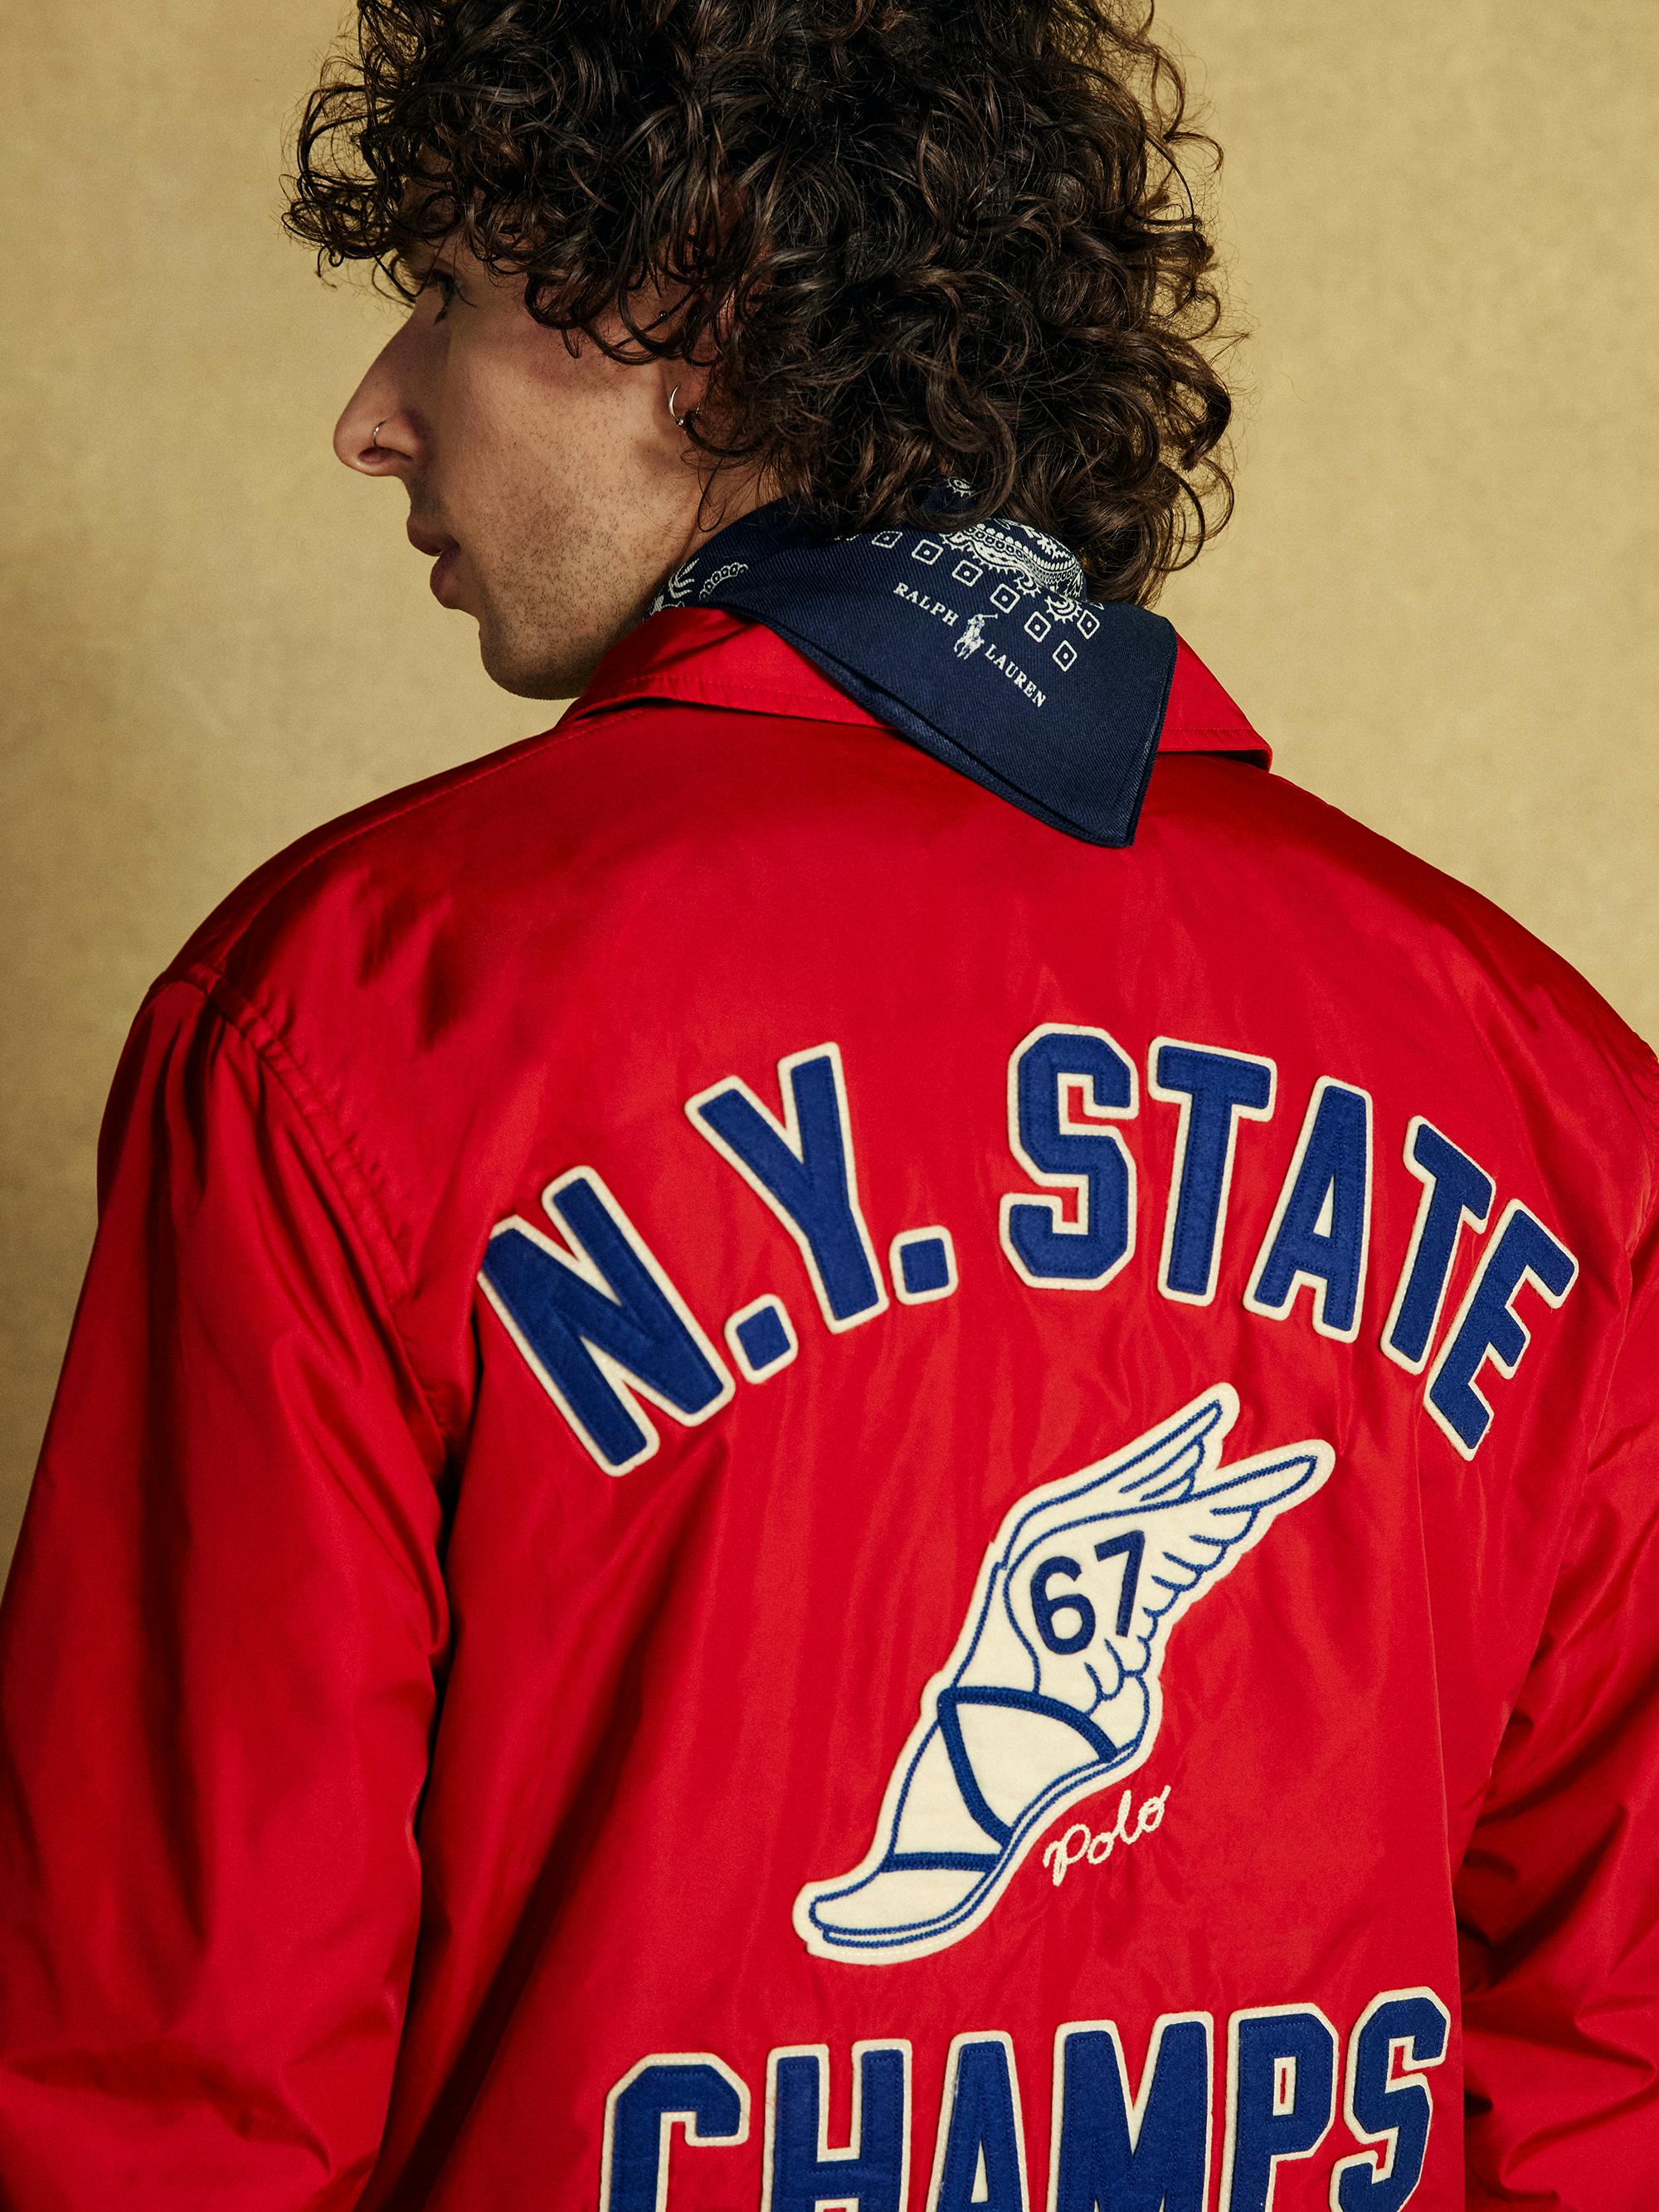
[(1053, 1689)]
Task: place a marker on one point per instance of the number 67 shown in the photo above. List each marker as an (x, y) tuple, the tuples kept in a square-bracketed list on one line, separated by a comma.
[(1130, 1547)]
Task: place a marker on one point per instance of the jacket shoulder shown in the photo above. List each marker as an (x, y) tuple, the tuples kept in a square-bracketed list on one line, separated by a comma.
[(505, 842), (1317, 871), (400, 835)]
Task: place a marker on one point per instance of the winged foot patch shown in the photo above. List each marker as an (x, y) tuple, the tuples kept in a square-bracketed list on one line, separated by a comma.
[(1053, 1690)]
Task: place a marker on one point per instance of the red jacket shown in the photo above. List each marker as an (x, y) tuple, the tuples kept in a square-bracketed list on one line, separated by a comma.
[(775, 1490)]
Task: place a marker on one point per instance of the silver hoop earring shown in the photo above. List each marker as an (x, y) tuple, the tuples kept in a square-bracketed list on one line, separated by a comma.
[(678, 421)]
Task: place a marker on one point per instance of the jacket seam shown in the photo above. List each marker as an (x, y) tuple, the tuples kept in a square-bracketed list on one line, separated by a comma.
[(332, 1147)]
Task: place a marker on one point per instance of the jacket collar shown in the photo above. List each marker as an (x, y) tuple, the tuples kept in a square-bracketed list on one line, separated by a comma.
[(704, 657)]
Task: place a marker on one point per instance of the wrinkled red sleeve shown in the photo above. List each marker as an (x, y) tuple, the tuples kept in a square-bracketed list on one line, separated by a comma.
[(1558, 1894), (217, 1649)]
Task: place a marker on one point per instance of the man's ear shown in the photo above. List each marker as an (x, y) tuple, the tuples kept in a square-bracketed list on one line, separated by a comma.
[(684, 388)]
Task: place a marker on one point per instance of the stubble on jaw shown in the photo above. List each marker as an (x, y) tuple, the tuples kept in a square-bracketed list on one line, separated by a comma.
[(550, 609)]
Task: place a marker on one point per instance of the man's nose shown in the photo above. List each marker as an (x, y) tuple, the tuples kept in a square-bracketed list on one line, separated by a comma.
[(380, 433)]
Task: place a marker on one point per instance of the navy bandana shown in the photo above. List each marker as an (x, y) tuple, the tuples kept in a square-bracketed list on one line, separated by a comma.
[(980, 646)]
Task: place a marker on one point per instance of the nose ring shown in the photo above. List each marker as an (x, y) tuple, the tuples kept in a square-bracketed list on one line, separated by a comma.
[(375, 445)]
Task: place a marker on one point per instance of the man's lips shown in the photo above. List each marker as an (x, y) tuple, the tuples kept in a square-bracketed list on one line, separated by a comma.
[(444, 552), (440, 568)]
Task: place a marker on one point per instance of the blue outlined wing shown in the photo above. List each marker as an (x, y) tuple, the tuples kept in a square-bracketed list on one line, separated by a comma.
[(1121, 1552)]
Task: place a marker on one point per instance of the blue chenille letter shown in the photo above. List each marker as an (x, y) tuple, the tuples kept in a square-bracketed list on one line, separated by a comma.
[(800, 2173), (698, 2091), (1322, 1227), (1093, 1163), (1281, 2098), (1106, 2158), (1396, 2112), (803, 1170), (591, 1320), (981, 2165), (1521, 1251), (1455, 1191), (1214, 1089)]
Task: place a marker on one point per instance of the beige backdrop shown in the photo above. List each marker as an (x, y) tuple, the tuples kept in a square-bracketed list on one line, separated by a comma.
[(1438, 598)]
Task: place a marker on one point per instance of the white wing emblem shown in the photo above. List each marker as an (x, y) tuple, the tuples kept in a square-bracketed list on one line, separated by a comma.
[(1053, 1689)]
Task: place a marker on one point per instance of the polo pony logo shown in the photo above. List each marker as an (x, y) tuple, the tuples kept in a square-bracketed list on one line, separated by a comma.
[(1053, 1690)]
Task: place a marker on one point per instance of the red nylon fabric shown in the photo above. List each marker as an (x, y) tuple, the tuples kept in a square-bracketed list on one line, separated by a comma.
[(384, 1781)]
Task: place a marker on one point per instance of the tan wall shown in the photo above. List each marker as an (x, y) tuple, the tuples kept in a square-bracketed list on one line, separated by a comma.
[(1438, 598)]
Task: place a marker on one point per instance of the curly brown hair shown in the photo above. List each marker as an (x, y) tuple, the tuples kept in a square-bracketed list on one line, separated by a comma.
[(912, 237)]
